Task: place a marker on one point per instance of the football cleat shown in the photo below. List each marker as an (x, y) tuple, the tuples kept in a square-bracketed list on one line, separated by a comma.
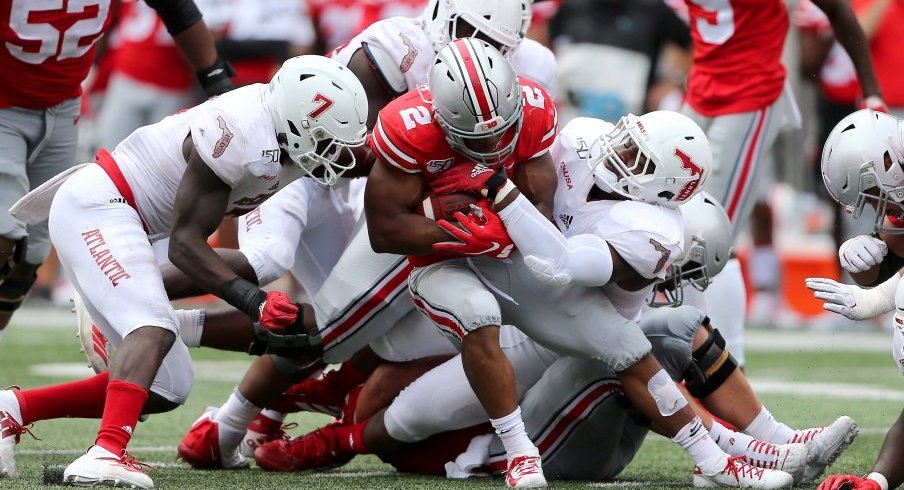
[(790, 458), (313, 451), (95, 345), (740, 474), (262, 430), (10, 431), (200, 448), (525, 472), (99, 467), (826, 444)]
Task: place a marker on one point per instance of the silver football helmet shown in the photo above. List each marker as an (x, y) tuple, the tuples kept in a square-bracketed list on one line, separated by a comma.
[(476, 100), (863, 162), (504, 22), (319, 110), (668, 158), (707, 247)]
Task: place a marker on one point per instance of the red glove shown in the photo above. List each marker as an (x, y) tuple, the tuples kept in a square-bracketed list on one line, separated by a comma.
[(277, 311), (477, 178), (848, 482), (483, 234), (875, 103)]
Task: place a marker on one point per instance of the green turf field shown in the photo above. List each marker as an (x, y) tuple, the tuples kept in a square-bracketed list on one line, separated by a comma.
[(815, 378)]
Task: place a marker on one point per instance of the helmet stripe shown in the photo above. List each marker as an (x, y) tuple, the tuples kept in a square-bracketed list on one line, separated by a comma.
[(475, 79)]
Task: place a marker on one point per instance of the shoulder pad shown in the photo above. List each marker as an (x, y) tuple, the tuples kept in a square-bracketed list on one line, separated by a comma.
[(386, 68)]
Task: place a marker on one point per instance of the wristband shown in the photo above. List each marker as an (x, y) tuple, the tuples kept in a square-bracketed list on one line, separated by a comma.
[(216, 79), (504, 191), (878, 478), (244, 295)]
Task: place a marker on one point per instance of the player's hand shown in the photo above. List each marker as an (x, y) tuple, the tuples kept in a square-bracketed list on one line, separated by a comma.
[(845, 299), (277, 311), (862, 253), (848, 482), (481, 233), (477, 178), (875, 103), (543, 270)]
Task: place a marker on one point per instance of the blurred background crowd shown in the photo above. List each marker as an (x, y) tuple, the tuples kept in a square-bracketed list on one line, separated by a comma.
[(614, 57)]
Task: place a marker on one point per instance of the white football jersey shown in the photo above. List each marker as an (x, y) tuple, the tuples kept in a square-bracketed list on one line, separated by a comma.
[(232, 133), (410, 55), (648, 237)]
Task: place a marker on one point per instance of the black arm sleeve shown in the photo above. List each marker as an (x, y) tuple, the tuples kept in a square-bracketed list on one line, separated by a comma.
[(233, 50), (177, 15), (888, 268)]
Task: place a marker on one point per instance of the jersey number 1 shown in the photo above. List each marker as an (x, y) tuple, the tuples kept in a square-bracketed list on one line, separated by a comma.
[(47, 36)]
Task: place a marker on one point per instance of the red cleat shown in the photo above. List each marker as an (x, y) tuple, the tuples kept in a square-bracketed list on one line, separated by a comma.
[(201, 448), (326, 394), (314, 451), (262, 430)]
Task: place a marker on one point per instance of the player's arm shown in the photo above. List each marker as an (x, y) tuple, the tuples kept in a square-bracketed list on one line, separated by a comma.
[(536, 180), (585, 260), (850, 35), (201, 202), (390, 198), (376, 88), (183, 21)]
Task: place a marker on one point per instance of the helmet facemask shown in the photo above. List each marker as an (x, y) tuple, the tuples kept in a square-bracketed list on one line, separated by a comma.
[(623, 177), (692, 271), (496, 129), (886, 201), (327, 160)]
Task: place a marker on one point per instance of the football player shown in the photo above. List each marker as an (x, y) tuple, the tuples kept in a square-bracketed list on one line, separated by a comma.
[(178, 178), (598, 320), (736, 91), (47, 51), (362, 297), (862, 166)]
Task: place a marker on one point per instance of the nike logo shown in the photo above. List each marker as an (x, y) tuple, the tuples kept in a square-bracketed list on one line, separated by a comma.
[(215, 72), (696, 428), (492, 248)]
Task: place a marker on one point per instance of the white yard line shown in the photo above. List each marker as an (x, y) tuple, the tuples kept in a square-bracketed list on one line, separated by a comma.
[(134, 450)]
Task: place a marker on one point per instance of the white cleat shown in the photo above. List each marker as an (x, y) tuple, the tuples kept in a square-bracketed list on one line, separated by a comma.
[(99, 467), (10, 431), (525, 472), (95, 345), (790, 458), (826, 444), (740, 474)]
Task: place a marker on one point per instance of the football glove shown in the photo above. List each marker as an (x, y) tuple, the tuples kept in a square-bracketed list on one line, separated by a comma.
[(277, 311), (848, 482), (875, 103), (477, 178), (481, 233), (862, 253), (853, 301)]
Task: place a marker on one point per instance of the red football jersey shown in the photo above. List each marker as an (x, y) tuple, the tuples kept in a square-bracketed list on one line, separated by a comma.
[(407, 138), (147, 51), (737, 55), (47, 49)]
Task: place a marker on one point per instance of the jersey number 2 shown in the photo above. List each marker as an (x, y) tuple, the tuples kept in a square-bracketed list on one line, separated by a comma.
[(47, 36)]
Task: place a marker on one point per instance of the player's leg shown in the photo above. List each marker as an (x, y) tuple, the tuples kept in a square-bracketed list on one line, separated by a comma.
[(106, 254), (439, 401), (597, 331), (452, 296)]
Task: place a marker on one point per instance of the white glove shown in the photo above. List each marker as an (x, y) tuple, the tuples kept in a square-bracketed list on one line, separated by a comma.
[(862, 253), (543, 270), (853, 301)]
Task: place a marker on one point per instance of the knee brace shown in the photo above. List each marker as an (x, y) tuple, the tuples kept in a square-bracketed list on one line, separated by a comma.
[(294, 343), (711, 366), (13, 290), (290, 368)]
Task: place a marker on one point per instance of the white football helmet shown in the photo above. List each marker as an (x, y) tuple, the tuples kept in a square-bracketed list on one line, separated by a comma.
[(319, 110), (863, 161), (708, 242), (502, 21), (672, 158), (475, 96)]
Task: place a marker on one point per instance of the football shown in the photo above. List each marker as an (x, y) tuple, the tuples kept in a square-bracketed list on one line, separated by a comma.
[(444, 206)]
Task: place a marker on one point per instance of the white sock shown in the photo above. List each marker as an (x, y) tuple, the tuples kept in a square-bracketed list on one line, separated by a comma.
[(233, 419), (191, 324), (10, 403), (695, 439), (733, 443), (273, 415), (510, 430), (765, 428)]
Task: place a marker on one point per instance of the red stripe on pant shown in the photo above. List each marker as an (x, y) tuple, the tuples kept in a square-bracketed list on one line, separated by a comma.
[(106, 162), (449, 323), (373, 302), (746, 169)]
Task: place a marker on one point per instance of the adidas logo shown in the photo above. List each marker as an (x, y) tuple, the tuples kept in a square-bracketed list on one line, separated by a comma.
[(479, 169), (566, 220), (127, 429)]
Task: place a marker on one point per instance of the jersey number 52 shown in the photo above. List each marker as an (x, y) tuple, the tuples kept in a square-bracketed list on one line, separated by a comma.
[(31, 32)]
